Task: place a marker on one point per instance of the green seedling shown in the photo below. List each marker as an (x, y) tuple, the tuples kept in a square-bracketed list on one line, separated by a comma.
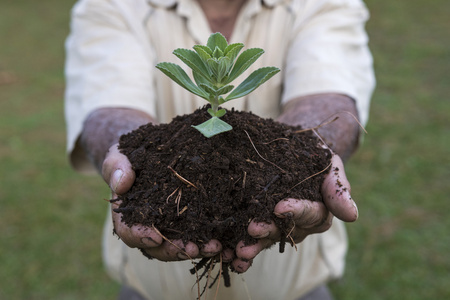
[(214, 66)]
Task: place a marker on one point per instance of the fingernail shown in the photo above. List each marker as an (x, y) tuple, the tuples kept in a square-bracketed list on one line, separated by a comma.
[(182, 256), (356, 209), (260, 236), (149, 242), (115, 180)]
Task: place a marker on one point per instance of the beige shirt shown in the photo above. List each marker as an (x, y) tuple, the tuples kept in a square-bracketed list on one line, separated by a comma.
[(320, 47)]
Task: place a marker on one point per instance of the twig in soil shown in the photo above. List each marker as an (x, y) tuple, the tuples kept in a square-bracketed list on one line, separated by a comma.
[(261, 155), (317, 127), (170, 196), (324, 123), (290, 237), (178, 200), (329, 165), (183, 210), (279, 139), (182, 178), (266, 188)]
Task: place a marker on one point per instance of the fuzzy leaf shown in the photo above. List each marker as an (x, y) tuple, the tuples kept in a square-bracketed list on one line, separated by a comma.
[(208, 88), (217, 40), (221, 112), (203, 48), (213, 126), (199, 79), (213, 65), (177, 74), (232, 51), (243, 62), (218, 114), (224, 64), (193, 60), (225, 89), (211, 112), (214, 90), (217, 53), (252, 82)]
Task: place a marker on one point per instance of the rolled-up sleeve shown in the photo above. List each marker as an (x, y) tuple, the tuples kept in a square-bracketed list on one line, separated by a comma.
[(329, 53), (106, 66)]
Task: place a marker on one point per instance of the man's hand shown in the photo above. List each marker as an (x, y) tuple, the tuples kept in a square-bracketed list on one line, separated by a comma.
[(308, 217), (119, 175)]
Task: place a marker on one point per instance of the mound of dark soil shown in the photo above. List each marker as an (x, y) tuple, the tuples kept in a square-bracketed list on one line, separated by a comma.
[(197, 189)]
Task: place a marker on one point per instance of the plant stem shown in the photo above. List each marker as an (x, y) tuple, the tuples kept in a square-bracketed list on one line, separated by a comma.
[(215, 104)]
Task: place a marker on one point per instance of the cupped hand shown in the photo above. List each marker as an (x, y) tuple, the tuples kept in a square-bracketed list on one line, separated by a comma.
[(119, 175), (308, 217)]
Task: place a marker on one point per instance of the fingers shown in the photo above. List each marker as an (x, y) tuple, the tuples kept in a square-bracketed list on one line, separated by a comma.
[(261, 230), (308, 215), (117, 171), (228, 255), (136, 236), (173, 251), (210, 249), (151, 241), (336, 193), (246, 254)]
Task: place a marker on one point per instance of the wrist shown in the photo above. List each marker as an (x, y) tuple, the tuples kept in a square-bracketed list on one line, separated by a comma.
[(103, 128), (341, 135)]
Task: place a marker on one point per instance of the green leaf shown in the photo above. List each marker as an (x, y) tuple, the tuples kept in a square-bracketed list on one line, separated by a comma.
[(225, 89), (217, 53), (213, 65), (221, 112), (211, 112), (223, 66), (200, 80), (213, 126), (218, 113), (177, 74), (209, 88), (217, 40), (252, 82), (203, 49), (232, 51), (214, 90), (243, 62), (192, 60)]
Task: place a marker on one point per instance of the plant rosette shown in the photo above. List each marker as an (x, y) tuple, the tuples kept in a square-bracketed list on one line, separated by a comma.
[(214, 67)]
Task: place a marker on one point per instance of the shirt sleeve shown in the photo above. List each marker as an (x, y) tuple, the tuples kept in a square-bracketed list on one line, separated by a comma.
[(107, 65), (329, 53)]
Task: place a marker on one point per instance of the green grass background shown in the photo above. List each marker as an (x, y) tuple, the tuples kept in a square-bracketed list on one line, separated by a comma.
[(51, 218)]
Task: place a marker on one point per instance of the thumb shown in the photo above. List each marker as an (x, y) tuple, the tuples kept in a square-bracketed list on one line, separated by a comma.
[(336, 192), (117, 171)]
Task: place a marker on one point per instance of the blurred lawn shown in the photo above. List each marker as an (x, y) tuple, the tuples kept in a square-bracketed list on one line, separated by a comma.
[(51, 218)]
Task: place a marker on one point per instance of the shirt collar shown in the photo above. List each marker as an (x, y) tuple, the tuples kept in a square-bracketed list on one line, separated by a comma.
[(171, 3), (198, 27)]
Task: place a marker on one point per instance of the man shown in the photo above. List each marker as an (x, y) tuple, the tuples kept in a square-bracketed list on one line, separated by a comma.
[(113, 87)]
